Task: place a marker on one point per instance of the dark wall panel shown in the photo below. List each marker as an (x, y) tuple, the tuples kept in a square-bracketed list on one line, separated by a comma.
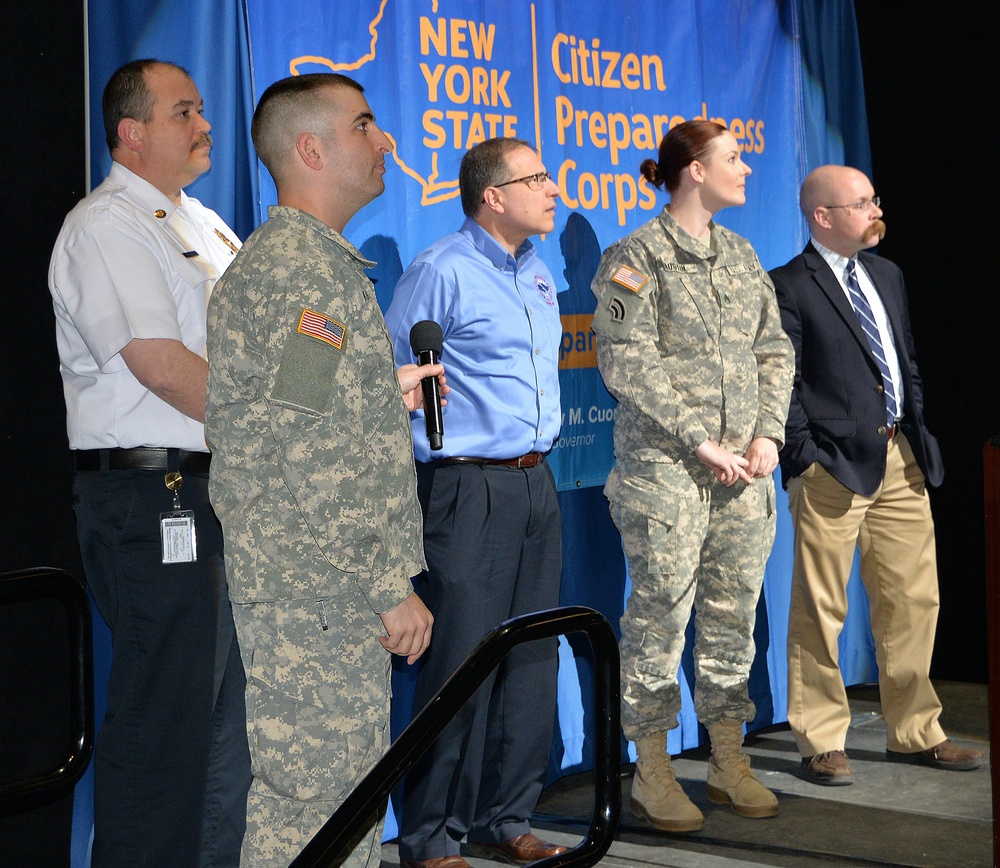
[(933, 134), (42, 176)]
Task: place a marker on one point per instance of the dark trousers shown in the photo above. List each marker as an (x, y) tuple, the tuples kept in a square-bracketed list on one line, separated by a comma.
[(493, 541), (171, 764)]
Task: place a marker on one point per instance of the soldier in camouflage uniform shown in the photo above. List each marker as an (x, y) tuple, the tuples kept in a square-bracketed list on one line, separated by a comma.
[(689, 341), (314, 479)]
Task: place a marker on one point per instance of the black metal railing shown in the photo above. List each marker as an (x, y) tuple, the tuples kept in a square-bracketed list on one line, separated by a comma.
[(40, 585), (333, 842)]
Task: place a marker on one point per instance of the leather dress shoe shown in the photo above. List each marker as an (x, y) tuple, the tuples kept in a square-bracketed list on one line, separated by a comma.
[(439, 862), (830, 769), (521, 850), (947, 755)]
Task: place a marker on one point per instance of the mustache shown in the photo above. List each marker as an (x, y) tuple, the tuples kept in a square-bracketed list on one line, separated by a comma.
[(875, 231), (203, 139)]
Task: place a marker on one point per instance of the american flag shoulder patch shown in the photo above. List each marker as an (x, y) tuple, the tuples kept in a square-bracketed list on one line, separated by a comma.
[(630, 279), (321, 327)]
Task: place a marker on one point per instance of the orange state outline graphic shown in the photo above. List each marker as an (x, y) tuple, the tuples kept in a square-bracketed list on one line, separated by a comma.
[(433, 191)]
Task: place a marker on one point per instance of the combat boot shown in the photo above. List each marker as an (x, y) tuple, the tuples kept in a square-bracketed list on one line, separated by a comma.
[(656, 795), (730, 780)]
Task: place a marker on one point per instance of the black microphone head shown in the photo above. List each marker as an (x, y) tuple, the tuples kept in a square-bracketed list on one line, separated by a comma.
[(426, 335)]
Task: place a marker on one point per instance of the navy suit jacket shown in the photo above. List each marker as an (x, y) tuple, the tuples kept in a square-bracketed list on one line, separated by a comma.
[(838, 405)]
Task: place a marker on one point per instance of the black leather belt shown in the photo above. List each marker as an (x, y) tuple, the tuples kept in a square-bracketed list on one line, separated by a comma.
[(142, 458), (528, 460)]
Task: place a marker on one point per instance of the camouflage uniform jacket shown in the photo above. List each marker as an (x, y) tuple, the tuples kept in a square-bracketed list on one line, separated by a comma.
[(312, 470), (689, 341)]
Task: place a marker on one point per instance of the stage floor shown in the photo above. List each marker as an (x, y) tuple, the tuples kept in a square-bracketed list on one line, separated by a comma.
[(893, 814)]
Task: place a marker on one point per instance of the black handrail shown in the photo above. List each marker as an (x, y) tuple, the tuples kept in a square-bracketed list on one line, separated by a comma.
[(333, 842), (48, 583)]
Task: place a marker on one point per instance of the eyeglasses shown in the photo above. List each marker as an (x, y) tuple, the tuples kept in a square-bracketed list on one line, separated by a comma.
[(860, 207), (534, 182)]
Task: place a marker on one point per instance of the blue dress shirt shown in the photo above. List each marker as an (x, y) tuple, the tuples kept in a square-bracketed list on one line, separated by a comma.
[(502, 332)]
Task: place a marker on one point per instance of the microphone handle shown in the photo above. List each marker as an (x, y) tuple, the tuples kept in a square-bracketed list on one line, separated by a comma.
[(432, 401)]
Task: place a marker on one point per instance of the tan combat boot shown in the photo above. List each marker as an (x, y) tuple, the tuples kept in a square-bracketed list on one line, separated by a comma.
[(730, 780), (656, 795)]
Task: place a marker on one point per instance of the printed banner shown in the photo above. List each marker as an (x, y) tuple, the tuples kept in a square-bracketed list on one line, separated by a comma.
[(594, 86)]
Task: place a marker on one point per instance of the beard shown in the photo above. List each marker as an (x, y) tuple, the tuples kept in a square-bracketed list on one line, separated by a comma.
[(874, 233)]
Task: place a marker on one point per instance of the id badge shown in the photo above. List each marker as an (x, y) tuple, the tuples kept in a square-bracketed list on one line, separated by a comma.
[(180, 546)]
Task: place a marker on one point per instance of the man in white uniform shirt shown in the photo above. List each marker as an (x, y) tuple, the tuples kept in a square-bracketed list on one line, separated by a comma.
[(130, 276)]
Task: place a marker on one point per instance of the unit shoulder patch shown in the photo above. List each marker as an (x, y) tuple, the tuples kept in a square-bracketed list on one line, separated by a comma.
[(617, 310)]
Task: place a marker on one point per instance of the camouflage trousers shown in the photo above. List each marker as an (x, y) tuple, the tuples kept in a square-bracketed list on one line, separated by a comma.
[(690, 542), (317, 708)]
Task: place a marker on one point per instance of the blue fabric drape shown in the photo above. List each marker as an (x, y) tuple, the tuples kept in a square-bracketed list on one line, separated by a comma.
[(209, 38)]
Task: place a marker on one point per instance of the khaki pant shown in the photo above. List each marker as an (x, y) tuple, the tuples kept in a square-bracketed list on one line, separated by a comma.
[(895, 532)]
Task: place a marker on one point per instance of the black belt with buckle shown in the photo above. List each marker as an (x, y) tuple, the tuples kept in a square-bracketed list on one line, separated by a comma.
[(142, 458), (528, 460)]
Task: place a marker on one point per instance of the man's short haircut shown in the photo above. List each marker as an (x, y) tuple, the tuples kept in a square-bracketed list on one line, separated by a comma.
[(290, 106), (127, 95), (485, 165)]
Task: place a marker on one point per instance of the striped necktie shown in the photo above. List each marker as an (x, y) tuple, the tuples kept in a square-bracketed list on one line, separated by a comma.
[(868, 326)]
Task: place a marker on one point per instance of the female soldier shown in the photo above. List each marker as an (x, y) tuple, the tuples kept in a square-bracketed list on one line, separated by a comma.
[(689, 341)]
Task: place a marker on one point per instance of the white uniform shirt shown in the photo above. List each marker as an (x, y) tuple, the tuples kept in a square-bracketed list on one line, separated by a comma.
[(129, 263)]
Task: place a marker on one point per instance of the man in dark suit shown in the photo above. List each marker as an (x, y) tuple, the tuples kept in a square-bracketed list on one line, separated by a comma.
[(856, 461)]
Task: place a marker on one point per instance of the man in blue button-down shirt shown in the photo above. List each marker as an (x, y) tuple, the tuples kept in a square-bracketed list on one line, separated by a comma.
[(492, 534)]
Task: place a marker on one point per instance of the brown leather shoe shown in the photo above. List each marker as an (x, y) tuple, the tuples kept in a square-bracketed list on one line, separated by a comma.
[(517, 851), (440, 862), (830, 769), (947, 755)]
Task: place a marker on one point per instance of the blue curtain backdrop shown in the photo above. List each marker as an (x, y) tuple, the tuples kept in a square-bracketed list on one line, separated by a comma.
[(594, 85)]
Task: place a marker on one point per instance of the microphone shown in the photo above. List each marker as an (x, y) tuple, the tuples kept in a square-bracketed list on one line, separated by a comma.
[(425, 341)]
